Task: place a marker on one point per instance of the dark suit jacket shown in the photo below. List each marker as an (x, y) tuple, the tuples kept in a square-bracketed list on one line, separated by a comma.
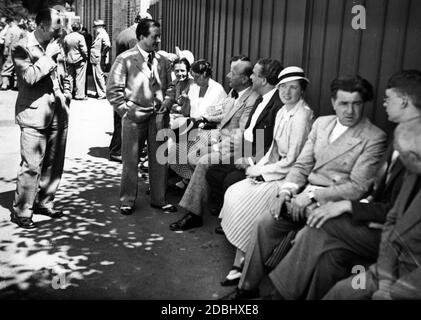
[(126, 39), (38, 99), (400, 248), (265, 122), (384, 194)]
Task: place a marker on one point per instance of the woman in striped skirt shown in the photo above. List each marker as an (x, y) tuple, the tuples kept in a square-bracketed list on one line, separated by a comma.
[(247, 199)]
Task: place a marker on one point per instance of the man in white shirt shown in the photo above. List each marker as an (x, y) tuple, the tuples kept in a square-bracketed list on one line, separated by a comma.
[(138, 81)]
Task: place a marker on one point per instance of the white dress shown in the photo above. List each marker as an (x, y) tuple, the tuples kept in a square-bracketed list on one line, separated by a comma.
[(246, 200)]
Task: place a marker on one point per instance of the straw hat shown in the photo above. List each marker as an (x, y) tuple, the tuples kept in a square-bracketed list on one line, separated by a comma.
[(291, 74)]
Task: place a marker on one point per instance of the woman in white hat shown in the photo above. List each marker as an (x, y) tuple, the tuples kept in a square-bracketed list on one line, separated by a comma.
[(247, 199)]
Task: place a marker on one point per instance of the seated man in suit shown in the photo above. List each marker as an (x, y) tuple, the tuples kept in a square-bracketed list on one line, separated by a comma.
[(262, 119), (238, 106), (338, 162), (397, 272), (343, 234)]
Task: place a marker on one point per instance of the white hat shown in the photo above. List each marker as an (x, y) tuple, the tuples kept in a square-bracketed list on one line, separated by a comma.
[(99, 23), (185, 54), (290, 74)]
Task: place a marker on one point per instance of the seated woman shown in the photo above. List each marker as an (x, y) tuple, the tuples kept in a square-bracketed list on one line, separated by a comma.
[(178, 107), (247, 199), (201, 105)]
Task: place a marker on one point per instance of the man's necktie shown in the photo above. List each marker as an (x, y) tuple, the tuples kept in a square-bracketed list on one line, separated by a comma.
[(150, 60), (234, 94)]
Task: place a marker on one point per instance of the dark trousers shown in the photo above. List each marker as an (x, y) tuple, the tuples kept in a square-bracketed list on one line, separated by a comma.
[(321, 257), (115, 144), (220, 177)]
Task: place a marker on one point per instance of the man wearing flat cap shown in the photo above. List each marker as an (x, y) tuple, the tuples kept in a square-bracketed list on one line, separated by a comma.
[(99, 53)]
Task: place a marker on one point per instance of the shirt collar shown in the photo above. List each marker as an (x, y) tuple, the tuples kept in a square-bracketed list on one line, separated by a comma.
[(32, 40), (340, 126), (144, 54), (268, 95), (240, 93)]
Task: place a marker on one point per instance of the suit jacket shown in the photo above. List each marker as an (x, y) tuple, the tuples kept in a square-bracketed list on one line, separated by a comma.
[(400, 248), (131, 79), (75, 47), (100, 47), (39, 97), (126, 39), (265, 122), (345, 168), (289, 137), (234, 122), (384, 194)]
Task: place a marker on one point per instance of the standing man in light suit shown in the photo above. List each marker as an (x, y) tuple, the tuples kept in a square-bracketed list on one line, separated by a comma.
[(138, 82), (99, 53), (42, 113), (76, 55)]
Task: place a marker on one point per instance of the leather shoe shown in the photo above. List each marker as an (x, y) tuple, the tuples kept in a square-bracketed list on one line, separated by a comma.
[(126, 211), (240, 294), (189, 221), (52, 213), (115, 158), (23, 222), (219, 230)]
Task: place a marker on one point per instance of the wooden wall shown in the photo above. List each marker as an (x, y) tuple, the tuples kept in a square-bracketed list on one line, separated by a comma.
[(314, 34)]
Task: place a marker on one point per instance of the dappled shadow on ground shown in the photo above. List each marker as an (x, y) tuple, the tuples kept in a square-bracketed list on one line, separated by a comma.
[(94, 252)]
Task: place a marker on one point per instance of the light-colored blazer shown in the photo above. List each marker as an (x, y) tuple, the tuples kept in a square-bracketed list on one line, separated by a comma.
[(233, 124), (100, 47), (131, 79), (75, 47), (38, 99), (290, 134), (345, 168), (400, 251)]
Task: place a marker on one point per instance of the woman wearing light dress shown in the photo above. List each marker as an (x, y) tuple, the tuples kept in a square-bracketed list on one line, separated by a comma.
[(203, 100), (247, 199)]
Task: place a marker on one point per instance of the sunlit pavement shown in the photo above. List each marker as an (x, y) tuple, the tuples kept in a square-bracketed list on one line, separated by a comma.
[(94, 252)]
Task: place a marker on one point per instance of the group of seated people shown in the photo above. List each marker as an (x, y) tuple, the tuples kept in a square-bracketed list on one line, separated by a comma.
[(305, 201)]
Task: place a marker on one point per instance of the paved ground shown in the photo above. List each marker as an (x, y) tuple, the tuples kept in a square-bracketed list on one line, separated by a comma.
[(94, 252)]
